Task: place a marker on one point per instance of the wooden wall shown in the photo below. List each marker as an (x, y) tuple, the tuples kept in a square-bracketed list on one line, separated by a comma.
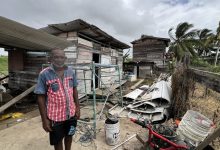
[(149, 50), (15, 60), (24, 67)]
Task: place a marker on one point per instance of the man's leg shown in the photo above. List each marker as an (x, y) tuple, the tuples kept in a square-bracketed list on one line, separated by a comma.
[(59, 146), (68, 142)]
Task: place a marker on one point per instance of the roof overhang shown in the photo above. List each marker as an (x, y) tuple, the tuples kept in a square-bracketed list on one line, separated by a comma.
[(144, 37), (85, 29), (17, 35)]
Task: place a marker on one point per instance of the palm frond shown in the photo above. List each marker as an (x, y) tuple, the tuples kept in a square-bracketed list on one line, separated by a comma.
[(190, 34), (171, 35), (204, 33), (182, 28), (218, 31)]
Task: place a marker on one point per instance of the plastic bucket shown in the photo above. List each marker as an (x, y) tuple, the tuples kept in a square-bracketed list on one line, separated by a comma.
[(112, 132), (195, 127)]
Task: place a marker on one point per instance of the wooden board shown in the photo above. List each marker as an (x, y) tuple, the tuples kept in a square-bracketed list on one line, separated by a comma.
[(208, 140), (17, 98), (85, 42)]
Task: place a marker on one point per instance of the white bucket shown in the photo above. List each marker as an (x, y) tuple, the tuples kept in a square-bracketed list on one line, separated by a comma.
[(195, 127), (112, 133)]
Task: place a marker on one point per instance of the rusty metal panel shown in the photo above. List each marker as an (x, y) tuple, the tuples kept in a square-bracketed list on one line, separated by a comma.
[(14, 34)]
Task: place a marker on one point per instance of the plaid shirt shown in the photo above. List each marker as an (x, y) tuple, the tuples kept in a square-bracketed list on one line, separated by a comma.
[(59, 93)]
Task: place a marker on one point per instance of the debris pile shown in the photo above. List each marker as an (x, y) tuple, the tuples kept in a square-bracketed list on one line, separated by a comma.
[(149, 102)]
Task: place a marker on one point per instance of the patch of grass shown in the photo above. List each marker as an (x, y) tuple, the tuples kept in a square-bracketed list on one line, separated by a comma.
[(205, 65), (4, 65), (199, 63)]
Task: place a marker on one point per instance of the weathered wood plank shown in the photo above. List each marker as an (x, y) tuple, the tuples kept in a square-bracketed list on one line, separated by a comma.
[(17, 98), (137, 84), (208, 140), (85, 42)]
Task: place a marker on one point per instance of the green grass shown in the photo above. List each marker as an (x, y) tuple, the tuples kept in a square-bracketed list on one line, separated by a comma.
[(4, 65), (205, 65)]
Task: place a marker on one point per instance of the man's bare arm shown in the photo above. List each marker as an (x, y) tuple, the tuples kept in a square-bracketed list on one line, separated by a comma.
[(76, 100), (42, 108)]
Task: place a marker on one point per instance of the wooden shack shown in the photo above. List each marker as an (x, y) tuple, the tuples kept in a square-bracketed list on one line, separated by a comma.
[(90, 44), (28, 49), (149, 49)]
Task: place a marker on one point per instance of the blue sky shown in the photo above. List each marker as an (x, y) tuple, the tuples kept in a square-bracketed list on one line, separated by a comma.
[(126, 20)]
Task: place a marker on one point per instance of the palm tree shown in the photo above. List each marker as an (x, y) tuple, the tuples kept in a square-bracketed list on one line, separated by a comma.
[(205, 41), (183, 41), (217, 43)]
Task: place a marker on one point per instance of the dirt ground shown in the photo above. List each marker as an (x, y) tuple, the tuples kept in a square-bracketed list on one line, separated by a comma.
[(207, 102), (30, 135), (27, 133)]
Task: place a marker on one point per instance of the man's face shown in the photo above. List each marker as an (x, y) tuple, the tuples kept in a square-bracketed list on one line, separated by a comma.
[(58, 58)]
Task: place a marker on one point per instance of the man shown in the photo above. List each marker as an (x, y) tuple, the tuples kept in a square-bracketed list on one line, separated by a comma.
[(58, 101)]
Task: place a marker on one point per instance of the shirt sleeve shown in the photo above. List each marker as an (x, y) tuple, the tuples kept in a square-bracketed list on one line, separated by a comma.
[(74, 80), (41, 85)]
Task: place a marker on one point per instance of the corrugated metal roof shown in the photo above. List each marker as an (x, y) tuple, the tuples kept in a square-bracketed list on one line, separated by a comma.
[(143, 37), (86, 29), (17, 35)]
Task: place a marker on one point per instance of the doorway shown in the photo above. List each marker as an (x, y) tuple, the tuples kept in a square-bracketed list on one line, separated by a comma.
[(96, 59)]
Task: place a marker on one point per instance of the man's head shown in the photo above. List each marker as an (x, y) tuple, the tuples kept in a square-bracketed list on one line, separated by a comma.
[(58, 57)]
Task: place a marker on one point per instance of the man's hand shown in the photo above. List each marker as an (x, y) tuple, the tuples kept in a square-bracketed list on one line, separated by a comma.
[(47, 125), (77, 112)]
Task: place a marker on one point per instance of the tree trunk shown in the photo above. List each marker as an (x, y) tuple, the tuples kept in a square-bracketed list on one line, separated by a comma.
[(216, 56)]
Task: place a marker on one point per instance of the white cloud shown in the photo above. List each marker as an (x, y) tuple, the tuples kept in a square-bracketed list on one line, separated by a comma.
[(126, 20)]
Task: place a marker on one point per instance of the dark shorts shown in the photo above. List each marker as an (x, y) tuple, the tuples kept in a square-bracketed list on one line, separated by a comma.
[(62, 129)]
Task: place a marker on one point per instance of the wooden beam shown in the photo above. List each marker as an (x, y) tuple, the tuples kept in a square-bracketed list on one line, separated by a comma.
[(134, 135), (208, 140), (17, 98), (137, 84), (4, 78)]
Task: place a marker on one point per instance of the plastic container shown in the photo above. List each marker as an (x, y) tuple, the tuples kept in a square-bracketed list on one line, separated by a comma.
[(195, 127), (112, 131)]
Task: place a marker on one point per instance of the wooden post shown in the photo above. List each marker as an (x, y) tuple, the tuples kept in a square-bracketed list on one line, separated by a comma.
[(208, 140)]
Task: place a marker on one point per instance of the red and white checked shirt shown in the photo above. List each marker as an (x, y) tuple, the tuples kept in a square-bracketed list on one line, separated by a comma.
[(59, 93)]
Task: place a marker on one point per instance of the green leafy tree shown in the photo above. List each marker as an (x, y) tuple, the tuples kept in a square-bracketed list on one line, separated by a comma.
[(183, 41), (205, 42), (217, 38)]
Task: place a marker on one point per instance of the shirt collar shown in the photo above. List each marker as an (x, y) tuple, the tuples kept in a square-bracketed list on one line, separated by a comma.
[(52, 67)]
